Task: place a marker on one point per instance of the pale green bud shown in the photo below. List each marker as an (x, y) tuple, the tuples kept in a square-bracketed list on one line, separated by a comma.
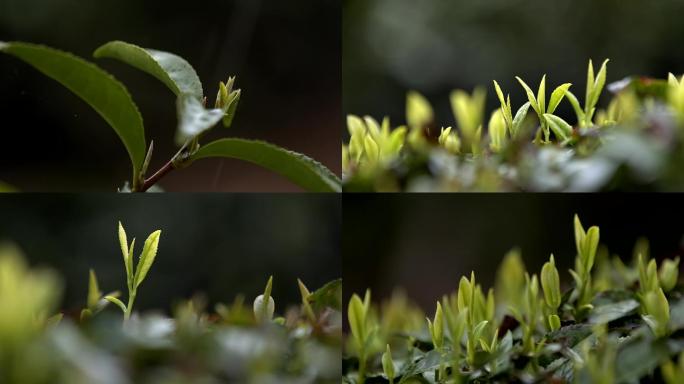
[(436, 328), (264, 305), (388, 364), (669, 274), (262, 311), (356, 314), (551, 284), (658, 311), (418, 111), (554, 322), (372, 149), (497, 131)]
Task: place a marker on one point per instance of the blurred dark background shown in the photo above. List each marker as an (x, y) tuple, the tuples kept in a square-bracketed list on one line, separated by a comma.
[(435, 46), (425, 243), (215, 244), (286, 55)]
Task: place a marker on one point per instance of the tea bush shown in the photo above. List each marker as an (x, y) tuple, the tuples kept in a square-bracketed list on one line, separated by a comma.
[(635, 142), (615, 323), (111, 100), (234, 343)]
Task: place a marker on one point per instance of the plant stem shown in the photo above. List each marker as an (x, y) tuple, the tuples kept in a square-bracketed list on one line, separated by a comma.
[(154, 179), (362, 368), (129, 308), (166, 168)]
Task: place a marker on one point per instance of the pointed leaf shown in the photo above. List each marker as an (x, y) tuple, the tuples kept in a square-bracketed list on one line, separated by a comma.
[(300, 169), (116, 301), (107, 96), (176, 73), (579, 234), (590, 81), (123, 242), (541, 94), (149, 253), (356, 315), (94, 293), (598, 86), (576, 106), (530, 95), (520, 117), (557, 96)]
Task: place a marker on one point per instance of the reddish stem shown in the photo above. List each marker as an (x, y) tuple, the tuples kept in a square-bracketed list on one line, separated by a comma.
[(152, 180)]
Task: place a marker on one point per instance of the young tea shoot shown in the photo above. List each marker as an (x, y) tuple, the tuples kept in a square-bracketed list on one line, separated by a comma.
[(112, 101), (607, 324), (630, 142)]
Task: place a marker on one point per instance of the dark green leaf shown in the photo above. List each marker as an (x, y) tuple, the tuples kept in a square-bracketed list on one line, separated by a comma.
[(172, 70), (107, 96), (300, 169), (329, 295), (606, 313)]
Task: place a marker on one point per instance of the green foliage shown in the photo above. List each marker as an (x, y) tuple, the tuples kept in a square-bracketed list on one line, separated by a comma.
[(135, 274), (106, 95), (634, 142), (39, 346), (301, 170), (111, 100), (515, 333), (176, 73)]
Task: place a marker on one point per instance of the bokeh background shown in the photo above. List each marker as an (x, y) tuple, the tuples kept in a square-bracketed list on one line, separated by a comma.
[(424, 244), (218, 245), (287, 57), (435, 46)]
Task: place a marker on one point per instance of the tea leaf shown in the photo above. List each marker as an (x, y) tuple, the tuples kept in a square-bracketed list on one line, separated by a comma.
[(193, 118), (116, 301), (519, 118), (300, 169), (329, 295), (597, 87), (418, 110), (576, 106), (356, 315), (557, 96), (107, 96), (123, 242), (541, 94), (176, 73), (94, 293), (530, 96), (560, 127), (149, 253)]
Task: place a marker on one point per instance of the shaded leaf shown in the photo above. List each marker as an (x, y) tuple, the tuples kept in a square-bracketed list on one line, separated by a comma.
[(300, 169), (606, 313), (176, 73), (107, 96), (329, 295)]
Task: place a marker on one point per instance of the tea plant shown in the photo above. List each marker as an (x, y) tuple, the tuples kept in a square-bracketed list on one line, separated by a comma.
[(111, 100), (615, 323), (233, 343), (634, 142)]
